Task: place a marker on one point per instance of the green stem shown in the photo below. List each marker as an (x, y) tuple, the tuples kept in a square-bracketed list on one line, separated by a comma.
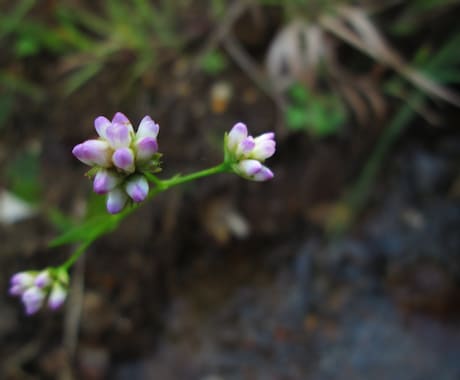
[(160, 186), (76, 254), (178, 180)]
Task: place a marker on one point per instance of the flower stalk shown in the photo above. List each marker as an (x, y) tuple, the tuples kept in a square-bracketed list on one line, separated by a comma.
[(123, 166)]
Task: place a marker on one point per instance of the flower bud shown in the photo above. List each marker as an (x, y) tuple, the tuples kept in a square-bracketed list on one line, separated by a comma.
[(104, 181), (264, 146), (20, 282), (146, 147), (101, 124), (246, 153), (117, 154), (123, 159), (23, 279), (116, 200), (93, 152), (137, 188), (147, 128), (264, 174), (118, 135), (254, 170), (33, 299), (57, 297), (237, 134), (43, 279)]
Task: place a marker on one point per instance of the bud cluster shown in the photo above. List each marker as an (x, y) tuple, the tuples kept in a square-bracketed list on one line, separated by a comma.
[(118, 157), (37, 288), (246, 153)]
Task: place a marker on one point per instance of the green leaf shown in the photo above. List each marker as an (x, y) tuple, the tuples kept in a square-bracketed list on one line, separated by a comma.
[(61, 221), (82, 76), (321, 115), (26, 46), (299, 94), (213, 63), (12, 20), (296, 118), (87, 231)]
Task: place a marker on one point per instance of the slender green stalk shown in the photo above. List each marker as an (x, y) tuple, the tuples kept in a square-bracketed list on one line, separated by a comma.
[(76, 254), (178, 180), (114, 220)]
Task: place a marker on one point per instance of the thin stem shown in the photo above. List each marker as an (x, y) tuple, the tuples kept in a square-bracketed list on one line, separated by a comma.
[(76, 254), (160, 186), (177, 180)]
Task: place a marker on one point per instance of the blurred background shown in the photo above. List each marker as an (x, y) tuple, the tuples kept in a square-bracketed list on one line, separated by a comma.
[(345, 266)]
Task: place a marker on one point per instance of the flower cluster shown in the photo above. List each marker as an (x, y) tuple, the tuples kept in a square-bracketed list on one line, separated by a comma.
[(246, 153), (119, 156), (38, 288)]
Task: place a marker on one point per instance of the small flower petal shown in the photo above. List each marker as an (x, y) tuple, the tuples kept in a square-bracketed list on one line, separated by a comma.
[(33, 299), (263, 149), (24, 279), (16, 290), (146, 148), (101, 123), (57, 297), (137, 188), (104, 181), (120, 118), (43, 279), (147, 128), (248, 168), (253, 170), (118, 135), (265, 136), (264, 174), (93, 152), (116, 200), (123, 159), (245, 146), (237, 134)]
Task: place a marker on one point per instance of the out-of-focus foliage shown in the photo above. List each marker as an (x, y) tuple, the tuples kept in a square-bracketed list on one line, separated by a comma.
[(416, 12), (304, 52), (213, 63), (136, 27), (23, 176), (320, 115), (14, 33), (446, 59)]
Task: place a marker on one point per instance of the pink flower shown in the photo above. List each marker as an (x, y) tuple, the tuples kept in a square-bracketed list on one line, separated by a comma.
[(137, 188), (119, 157), (247, 153), (35, 288)]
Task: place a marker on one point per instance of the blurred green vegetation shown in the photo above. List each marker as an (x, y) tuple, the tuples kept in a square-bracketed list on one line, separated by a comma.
[(319, 115), (23, 176), (81, 39), (213, 62), (437, 62)]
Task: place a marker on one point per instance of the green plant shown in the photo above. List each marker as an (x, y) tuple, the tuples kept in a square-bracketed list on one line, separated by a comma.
[(135, 27), (319, 115), (213, 62), (444, 65), (124, 164)]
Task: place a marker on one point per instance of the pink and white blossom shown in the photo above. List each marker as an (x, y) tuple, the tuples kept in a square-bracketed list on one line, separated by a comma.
[(119, 156), (247, 153)]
